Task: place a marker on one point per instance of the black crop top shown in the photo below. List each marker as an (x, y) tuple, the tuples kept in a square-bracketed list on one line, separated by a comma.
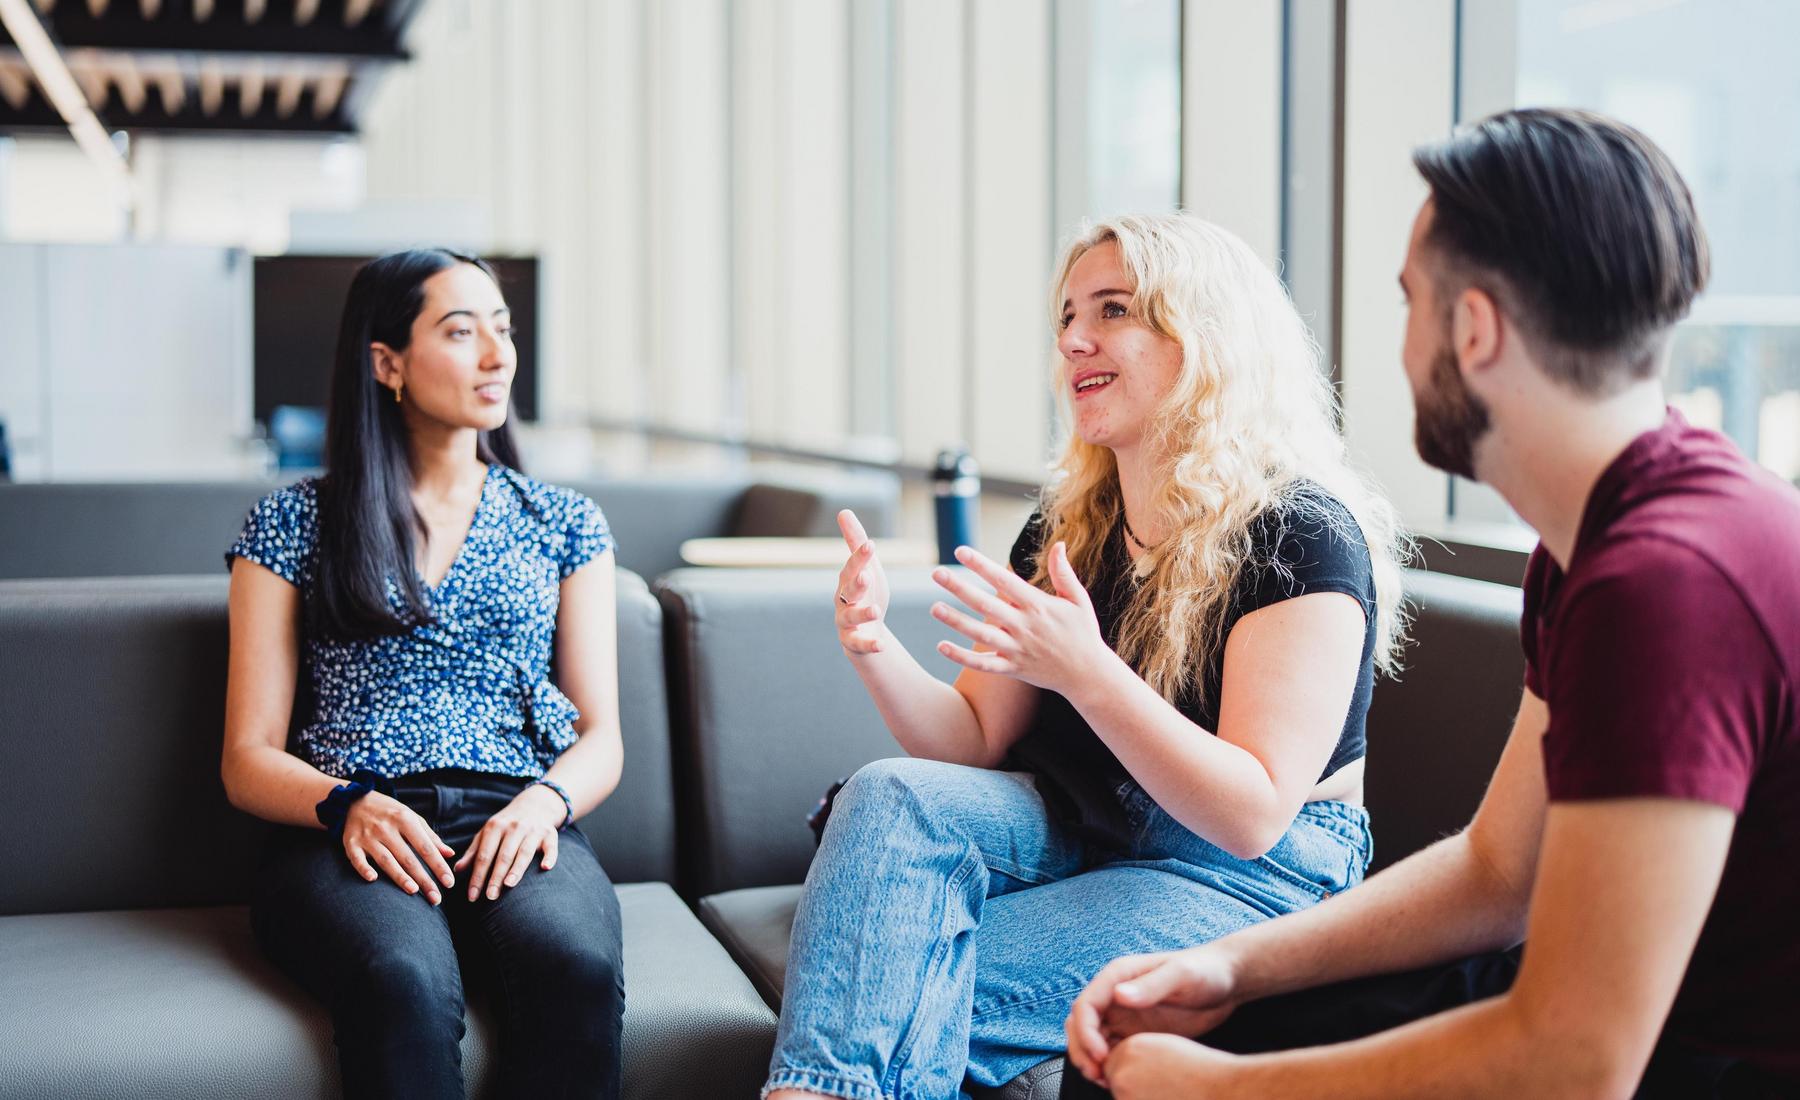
[(1294, 551)]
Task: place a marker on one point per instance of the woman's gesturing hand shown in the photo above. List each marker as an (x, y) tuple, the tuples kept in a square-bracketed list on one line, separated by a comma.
[(1049, 641), (862, 591), (380, 831), (502, 851)]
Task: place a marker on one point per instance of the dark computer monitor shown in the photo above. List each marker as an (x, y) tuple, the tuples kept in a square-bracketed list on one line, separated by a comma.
[(297, 303)]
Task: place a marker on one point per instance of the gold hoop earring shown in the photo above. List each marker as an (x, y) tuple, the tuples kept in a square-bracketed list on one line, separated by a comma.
[(397, 388)]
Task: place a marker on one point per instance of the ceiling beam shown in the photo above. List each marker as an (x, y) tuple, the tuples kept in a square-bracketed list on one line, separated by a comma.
[(52, 73), (15, 85), (206, 27)]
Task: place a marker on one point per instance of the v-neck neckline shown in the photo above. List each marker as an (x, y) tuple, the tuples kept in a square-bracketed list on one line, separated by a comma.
[(462, 551)]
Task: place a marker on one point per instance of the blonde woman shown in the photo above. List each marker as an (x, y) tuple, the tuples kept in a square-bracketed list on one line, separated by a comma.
[(1157, 737)]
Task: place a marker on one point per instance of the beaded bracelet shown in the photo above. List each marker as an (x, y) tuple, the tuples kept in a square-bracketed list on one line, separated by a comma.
[(568, 806)]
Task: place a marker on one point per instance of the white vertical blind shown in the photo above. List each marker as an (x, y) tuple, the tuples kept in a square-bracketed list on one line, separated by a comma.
[(689, 212), (1399, 69), (1231, 158), (1010, 236), (931, 301), (807, 222)]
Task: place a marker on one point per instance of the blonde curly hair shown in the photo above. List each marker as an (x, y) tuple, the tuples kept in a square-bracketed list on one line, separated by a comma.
[(1250, 417)]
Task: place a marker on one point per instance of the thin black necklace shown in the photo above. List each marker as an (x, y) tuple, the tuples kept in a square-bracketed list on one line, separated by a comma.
[(1129, 533)]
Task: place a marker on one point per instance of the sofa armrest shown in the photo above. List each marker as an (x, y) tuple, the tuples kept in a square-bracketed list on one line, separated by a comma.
[(766, 712)]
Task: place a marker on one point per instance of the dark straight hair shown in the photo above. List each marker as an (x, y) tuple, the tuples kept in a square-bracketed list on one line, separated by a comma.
[(367, 522), (1582, 229)]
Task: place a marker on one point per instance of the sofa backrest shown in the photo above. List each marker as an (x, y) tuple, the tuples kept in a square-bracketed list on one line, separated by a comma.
[(78, 529), (112, 699), (650, 518), (769, 713), (1435, 734)]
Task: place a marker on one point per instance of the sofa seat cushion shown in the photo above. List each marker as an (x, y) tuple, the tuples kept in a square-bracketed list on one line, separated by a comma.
[(754, 925), (180, 1003)]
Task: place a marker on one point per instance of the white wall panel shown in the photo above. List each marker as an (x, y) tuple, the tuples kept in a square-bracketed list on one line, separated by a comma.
[(689, 211), (563, 230), (1398, 94), (611, 325), (759, 315), (1010, 245), (1231, 118), (813, 220), (931, 304), (23, 381), (148, 361)]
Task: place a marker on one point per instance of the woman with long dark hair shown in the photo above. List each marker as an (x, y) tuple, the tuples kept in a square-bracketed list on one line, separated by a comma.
[(424, 583)]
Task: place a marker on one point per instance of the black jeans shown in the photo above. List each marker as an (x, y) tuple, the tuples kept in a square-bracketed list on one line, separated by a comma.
[(390, 966), (1351, 1010)]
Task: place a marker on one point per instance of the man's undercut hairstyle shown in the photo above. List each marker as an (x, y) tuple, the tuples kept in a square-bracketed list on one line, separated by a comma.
[(1581, 229)]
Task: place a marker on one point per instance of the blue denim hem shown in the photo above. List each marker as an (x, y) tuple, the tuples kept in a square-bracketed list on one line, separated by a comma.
[(825, 1084)]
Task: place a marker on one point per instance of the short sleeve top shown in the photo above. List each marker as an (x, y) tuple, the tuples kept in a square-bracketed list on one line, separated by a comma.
[(470, 690), (1668, 655), (1309, 543)]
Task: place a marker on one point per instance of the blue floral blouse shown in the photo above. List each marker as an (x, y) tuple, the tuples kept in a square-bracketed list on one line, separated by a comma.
[(471, 690)]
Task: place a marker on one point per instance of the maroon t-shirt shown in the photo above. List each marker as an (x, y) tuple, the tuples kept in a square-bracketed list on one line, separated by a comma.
[(1669, 655)]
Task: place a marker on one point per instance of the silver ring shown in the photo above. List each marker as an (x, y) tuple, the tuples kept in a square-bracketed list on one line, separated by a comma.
[(843, 598)]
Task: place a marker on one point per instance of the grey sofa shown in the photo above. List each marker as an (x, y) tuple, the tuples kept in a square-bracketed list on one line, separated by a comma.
[(121, 529), (755, 761), (128, 965), (124, 948)]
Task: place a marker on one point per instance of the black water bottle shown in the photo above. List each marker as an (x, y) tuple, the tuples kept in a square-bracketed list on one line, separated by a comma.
[(957, 485)]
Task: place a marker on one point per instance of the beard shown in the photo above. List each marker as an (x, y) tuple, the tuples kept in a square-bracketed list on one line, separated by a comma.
[(1448, 420)]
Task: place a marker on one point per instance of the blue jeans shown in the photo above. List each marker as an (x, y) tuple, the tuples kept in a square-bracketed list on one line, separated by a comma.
[(949, 921), (390, 967)]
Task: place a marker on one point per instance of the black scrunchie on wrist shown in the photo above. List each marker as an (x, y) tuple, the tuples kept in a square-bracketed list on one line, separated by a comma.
[(335, 807)]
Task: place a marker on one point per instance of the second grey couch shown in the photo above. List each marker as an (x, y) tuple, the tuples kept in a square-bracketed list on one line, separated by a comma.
[(131, 529), (761, 730)]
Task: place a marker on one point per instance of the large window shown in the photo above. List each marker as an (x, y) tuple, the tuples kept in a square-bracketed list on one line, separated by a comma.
[(1133, 94), (1714, 84)]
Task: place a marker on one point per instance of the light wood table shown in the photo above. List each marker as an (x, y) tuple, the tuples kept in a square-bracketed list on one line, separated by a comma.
[(828, 551)]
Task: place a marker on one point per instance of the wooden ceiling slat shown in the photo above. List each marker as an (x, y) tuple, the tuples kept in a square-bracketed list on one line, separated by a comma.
[(328, 92), (287, 93), (15, 85), (171, 86), (212, 88), (296, 65), (130, 83), (250, 90), (91, 80)]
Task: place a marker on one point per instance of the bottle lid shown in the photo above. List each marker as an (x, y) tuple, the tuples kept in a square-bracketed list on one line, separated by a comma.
[(954, 463)]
